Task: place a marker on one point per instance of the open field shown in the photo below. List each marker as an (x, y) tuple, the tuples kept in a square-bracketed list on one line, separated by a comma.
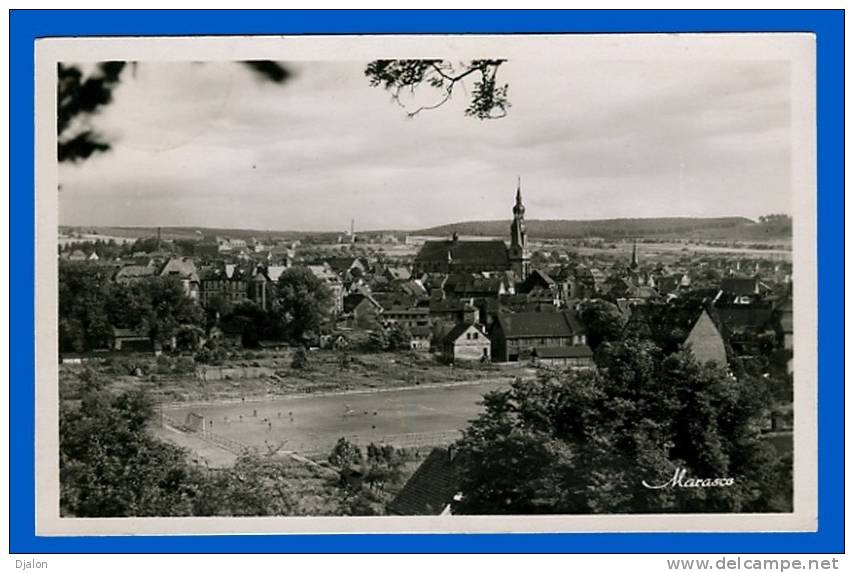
[(403, 417), (779, 251)]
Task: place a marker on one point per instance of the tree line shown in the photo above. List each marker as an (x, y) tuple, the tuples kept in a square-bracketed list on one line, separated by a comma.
[(91, 304)]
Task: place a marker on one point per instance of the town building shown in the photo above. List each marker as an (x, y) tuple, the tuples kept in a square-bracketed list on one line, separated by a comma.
[(432, 488), (466, 342), (673, 328), (490, 256), (184, 270), (524, 335)]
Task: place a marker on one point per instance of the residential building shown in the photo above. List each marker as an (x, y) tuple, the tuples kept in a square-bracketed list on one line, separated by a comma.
[(466, 342), (519, 336), (432, 488)]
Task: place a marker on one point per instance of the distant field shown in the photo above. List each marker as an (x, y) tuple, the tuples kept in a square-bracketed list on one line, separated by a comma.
[(312, 425), (779, 250), (64, 239)]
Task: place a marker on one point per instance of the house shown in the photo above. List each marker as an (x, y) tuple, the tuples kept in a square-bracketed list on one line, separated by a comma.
[(576, 357), (453, 310), (131, 274), (348, 266), (466, 342), (77, 255), (412, 288), (421, 336), (541, 289), (672, 328), (224, 282), (365, 309), (129, 339), (393, 274), (744, 290), (432, 488), (672, 283), (518, 335), (740, 286), (538, 279), (473, 286), (402, 309), (183, 269)]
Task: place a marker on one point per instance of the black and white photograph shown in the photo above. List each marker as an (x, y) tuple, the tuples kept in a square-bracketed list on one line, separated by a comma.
[(473, 281)]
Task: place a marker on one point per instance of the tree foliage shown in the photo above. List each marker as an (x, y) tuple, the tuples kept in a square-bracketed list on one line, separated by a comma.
[(82, 95), (90, 305), (110, 466), (487, 99), (79, 96), (345, 454), (303, 302), (84, 322), (584, 442), (604, 322)]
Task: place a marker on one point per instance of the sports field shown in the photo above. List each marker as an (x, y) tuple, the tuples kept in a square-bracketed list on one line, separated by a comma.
[(312, 424)]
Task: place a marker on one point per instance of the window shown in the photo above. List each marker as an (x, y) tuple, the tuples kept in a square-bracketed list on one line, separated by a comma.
[(468, 335), (474, 336)]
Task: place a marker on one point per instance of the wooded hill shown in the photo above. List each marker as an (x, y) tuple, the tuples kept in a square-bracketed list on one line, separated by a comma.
[(734, 228)]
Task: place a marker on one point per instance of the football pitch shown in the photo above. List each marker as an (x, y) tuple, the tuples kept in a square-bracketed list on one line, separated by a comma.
[(312, 424)]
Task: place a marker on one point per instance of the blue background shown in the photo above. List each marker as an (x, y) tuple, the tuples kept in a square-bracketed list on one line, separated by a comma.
[(828, 25)]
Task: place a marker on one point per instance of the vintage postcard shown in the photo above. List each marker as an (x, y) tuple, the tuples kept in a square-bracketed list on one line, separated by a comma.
[(426, 284)]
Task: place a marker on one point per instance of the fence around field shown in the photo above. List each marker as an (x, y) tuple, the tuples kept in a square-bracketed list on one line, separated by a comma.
[(199, 430), (412, 440)]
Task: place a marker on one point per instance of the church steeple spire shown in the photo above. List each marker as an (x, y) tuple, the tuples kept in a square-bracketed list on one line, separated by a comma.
[(634, 263), (518, 252), (519, 207)]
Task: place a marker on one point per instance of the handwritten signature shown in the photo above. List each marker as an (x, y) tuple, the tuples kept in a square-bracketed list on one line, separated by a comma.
[(679, 479)]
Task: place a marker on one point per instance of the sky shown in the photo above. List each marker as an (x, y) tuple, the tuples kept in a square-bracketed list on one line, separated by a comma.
[(211, 145)]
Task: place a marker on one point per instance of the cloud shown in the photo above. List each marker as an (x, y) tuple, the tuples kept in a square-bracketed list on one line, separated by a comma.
[(207, 144)]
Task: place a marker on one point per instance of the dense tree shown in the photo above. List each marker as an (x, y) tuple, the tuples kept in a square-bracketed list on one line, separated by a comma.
[(603, 320), (83, 319), (399, 337), (255, 485), (90, 305), (157, 306), (110, 466), (384, 466), (585, 442), (345, 454), (378, 339), (252, 322), (303, 302)]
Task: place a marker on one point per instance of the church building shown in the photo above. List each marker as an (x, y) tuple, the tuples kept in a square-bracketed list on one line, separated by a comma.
[(455, 255)]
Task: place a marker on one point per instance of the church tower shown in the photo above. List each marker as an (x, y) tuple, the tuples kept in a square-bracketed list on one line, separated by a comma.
[(520, 258), (634, 264)]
